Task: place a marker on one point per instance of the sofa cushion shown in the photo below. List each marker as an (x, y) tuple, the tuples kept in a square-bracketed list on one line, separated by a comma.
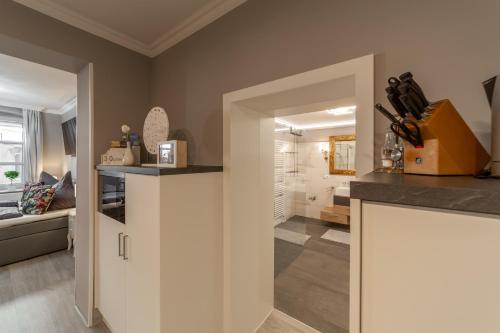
[(64, 196), (47, 179), (27, 188), (9, 213), (38, 199)]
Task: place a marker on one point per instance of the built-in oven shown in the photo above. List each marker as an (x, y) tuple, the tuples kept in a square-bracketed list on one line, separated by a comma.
[(111, 195)]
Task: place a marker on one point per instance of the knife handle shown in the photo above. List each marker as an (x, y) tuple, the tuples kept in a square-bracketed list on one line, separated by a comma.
[(393, 97), (408, 78), (406, 89), (405, 99), (393, 82), (386, 113)]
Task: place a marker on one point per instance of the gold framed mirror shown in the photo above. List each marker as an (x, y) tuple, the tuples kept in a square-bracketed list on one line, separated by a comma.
[(342, 155)]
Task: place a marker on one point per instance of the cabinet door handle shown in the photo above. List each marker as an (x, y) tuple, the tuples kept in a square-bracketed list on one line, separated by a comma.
[(120, 254), (125, 257)]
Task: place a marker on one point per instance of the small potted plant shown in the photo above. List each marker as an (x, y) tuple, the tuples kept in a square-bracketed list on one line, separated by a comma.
[(11, 175)]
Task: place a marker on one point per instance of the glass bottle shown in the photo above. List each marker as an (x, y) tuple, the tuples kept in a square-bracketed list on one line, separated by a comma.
[(389, 144)]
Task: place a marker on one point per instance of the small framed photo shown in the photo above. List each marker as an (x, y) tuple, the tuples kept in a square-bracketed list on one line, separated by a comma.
[(172, 154)]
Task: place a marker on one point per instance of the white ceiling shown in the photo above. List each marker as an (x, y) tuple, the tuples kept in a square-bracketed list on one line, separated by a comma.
[(24, 84), (146, 26), (316, 116)]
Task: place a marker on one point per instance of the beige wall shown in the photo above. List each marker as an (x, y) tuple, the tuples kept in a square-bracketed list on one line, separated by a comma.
[(121, 76), (54, 161), (451, 46)]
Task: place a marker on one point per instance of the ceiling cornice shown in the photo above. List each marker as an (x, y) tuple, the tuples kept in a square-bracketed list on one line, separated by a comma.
[(73, 18), (20, 105), (71, 104), (198, 20)]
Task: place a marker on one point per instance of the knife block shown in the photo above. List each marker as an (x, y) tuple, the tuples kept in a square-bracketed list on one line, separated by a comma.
[(450, 147)]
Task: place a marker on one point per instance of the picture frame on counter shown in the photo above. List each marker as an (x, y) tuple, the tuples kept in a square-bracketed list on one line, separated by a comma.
[(171, 154)]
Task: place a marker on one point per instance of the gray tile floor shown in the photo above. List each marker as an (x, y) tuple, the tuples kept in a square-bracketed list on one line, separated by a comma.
[(37, 296), (312, 281)]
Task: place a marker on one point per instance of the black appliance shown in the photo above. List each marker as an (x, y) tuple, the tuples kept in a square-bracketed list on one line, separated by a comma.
[(69, 136), (111, 195)]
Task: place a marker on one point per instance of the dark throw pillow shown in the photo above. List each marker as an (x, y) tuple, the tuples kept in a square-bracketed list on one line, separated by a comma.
[(37, 200), (47, 179), (64, 196)]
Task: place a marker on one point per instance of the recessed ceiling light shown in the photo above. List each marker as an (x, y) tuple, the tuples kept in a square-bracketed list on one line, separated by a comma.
[(342, 110), (283, 122)]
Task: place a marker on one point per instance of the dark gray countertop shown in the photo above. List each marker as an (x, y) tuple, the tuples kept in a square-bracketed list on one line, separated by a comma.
[(159, 171), (463, 193)]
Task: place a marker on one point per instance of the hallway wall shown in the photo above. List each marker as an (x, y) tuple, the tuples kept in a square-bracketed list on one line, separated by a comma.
[(449, 45)]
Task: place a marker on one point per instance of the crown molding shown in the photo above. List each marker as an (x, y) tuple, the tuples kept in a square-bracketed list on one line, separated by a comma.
[(73, 18), (198, 20), (11, 104), (71, 104)]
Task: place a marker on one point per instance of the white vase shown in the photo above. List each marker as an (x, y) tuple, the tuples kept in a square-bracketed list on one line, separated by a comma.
[(128, 157)]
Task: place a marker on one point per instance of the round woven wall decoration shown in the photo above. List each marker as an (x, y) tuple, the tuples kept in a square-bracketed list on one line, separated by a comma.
[(156, 127)]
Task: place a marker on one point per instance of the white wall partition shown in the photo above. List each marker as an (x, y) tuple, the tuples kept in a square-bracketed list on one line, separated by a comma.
[(249, 173)]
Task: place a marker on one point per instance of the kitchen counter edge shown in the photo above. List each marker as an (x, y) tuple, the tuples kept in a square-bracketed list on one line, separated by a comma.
[(159, 171), (459, 193)]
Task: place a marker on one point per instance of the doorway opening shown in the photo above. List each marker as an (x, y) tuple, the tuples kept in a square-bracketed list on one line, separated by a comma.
[(253, 117), (314, 162), (52, 144)]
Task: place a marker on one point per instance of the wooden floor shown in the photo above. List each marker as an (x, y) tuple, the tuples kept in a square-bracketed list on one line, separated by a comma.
[(275, 323), (312, 281), (37, 296)]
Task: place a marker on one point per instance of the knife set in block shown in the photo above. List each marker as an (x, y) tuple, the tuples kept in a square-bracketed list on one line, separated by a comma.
[(449, 146)]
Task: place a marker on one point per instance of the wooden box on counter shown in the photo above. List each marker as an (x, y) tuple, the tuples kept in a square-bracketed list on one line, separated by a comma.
[(450, 147)]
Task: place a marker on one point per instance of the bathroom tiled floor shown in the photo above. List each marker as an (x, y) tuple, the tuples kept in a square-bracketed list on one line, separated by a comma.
[(312, 281)]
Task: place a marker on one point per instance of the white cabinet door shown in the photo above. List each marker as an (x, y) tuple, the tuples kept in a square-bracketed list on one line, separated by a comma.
[(110, 273), (143, 252), (431, 271)]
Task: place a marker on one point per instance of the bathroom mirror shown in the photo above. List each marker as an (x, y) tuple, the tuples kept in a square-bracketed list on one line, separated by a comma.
[(342, 155)]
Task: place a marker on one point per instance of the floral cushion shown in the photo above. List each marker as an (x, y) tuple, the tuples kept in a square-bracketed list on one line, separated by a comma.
[(26, 189), (38, 199)]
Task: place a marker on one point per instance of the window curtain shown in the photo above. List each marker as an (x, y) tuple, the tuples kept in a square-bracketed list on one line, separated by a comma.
[(33, 145)]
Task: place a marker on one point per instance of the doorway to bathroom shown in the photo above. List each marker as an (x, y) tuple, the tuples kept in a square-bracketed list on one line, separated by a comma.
[(314, 161), (250, 219)]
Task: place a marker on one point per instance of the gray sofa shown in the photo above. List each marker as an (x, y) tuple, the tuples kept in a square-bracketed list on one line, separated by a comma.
[(30, 236)]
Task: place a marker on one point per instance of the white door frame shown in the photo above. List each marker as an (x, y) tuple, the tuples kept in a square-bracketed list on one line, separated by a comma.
[(86, 188), (248, 192), (85, 199)]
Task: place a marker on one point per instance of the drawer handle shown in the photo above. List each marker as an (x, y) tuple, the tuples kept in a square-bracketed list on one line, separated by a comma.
[(120, 254), (125, 257)]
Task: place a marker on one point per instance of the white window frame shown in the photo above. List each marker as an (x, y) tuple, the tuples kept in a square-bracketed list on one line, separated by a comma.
[(15, 186)]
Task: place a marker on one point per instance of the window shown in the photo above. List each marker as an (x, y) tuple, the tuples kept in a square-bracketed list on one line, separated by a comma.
[(11, 151)]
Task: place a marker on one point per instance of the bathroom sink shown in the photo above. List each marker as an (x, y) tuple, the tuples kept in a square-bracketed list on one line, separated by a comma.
[(343, 191)]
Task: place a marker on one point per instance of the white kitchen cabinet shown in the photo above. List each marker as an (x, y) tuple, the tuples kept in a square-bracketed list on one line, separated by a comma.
[(143, 253), (172, 270), (110, 272), (428, 270)]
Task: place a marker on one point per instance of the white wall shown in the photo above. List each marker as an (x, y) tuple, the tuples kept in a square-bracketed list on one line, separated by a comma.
[(313, 179), (318, 183)]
